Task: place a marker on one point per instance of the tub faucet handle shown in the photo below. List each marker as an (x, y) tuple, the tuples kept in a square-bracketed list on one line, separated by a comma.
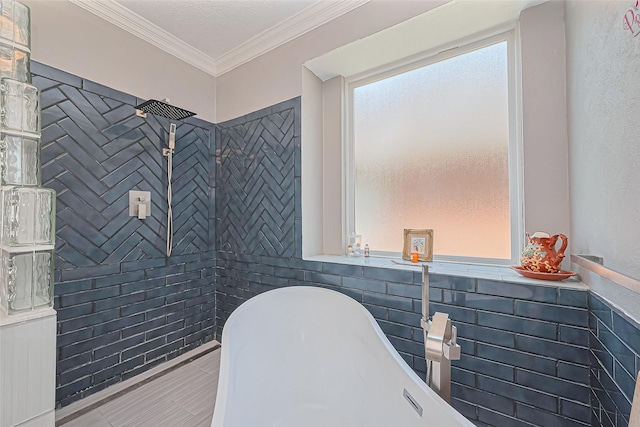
[(436, 336), (441, 338), (451, 349)]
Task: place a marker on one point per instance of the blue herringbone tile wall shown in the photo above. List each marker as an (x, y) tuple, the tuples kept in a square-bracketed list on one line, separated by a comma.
[(95, 149), (123, 307), (256, 182)]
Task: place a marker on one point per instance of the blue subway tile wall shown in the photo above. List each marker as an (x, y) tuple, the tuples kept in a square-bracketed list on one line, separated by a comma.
[(615, 357), (525, 347), (124, 307), (506, 372)]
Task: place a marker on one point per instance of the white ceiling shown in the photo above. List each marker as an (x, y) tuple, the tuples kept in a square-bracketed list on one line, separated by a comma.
[(218, 35)]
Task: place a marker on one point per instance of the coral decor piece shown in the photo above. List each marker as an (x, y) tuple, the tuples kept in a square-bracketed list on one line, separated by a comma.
[(540, 254)]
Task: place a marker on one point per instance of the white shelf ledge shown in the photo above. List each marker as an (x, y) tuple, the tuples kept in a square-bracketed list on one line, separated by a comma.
[(25, 316)]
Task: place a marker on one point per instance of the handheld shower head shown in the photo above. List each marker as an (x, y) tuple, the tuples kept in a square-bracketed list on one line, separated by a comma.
[(172, 136)]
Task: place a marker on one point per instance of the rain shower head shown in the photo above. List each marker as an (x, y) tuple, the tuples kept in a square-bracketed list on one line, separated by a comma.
[(165, 110)]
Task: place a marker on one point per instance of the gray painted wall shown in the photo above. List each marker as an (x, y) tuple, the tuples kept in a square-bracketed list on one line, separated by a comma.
[(602, 90)]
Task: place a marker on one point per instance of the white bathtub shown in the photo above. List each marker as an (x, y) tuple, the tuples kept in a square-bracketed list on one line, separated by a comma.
[(306, 356)]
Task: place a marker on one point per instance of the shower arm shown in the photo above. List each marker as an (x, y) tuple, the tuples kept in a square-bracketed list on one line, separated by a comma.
[(439, 344)]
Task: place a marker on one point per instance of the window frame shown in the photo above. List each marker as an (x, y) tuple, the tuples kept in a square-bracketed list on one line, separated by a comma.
[(515, 145)]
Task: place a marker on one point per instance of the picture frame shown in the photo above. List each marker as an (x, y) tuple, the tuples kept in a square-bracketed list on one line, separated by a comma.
[(420, 241)]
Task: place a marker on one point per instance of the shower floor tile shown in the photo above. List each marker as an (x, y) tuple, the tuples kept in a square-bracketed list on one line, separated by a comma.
[(182, 397)]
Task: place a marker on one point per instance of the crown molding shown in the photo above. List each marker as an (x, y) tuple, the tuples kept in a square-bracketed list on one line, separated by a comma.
[(302, 22), (118, 15)]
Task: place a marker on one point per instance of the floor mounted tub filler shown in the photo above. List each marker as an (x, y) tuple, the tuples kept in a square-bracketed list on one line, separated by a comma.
[(306, 356)]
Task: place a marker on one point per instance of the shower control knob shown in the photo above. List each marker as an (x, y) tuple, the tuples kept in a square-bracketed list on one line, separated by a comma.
[(139, 204)]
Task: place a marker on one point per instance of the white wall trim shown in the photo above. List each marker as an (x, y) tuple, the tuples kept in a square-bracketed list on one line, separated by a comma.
[(302, 22)]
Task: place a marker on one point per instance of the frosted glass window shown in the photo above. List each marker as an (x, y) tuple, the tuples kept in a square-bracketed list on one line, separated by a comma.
[(431, 150)]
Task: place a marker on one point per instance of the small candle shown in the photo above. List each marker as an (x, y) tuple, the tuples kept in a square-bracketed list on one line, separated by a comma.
[(414, 256)]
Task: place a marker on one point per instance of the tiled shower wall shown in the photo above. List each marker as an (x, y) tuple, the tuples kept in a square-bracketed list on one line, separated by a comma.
[(123, 306), (526, 355)]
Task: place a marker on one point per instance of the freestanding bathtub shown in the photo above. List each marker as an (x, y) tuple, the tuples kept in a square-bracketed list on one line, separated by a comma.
[(306, 356)]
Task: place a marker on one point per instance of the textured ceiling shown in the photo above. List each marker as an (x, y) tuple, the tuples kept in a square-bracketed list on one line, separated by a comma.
[(215, 27)]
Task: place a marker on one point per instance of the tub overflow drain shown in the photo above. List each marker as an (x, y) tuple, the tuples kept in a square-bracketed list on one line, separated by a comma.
[(412, 402)]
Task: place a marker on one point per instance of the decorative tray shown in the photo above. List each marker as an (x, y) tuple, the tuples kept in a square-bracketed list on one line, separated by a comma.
[(560, 275)]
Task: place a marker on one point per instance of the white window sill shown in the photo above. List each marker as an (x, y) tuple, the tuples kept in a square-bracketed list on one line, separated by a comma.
[(488, 272)]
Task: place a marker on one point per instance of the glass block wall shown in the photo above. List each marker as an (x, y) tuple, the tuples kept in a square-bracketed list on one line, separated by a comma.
[(27, 210)]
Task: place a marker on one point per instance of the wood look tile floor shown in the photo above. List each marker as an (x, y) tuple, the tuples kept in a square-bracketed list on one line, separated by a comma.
[(183, 397)]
